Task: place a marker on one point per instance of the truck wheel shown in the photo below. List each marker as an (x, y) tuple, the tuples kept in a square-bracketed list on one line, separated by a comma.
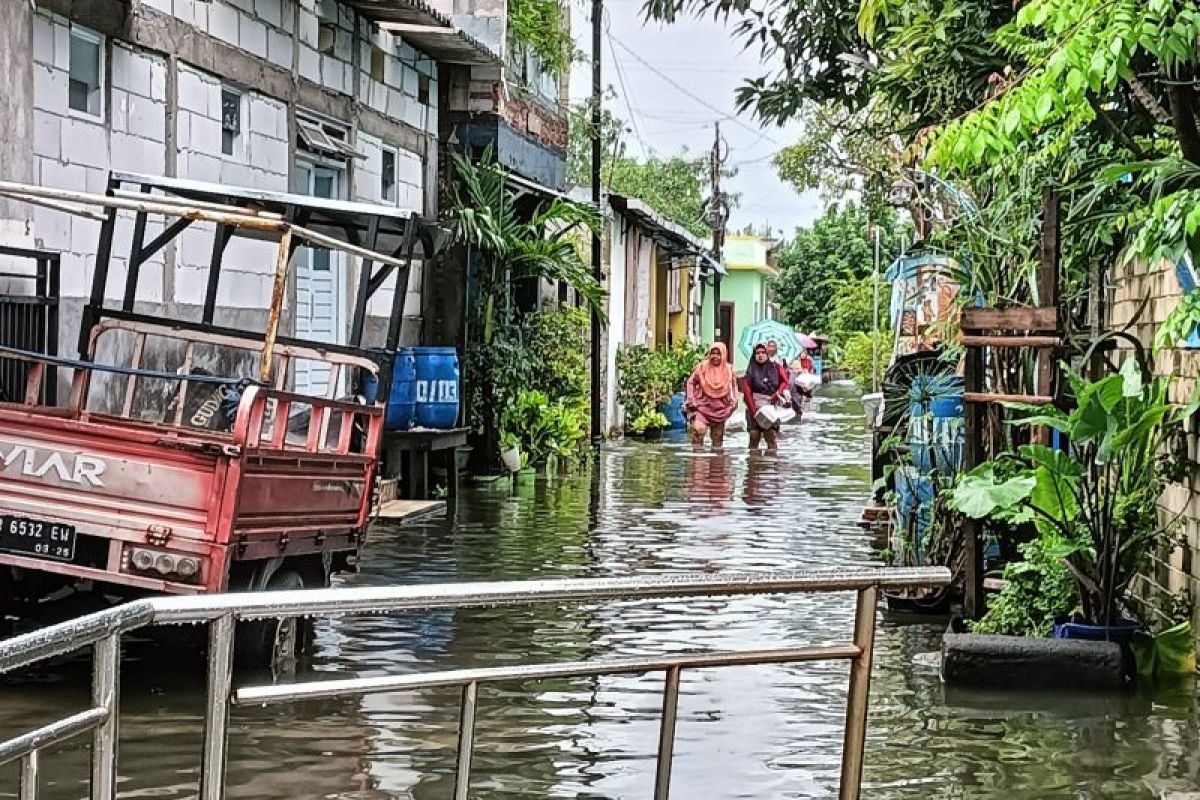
[(273, 644)]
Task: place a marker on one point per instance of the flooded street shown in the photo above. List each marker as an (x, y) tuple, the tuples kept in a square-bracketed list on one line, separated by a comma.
[(746, 732)]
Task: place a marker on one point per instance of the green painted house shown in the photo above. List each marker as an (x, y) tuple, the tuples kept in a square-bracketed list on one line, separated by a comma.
[(745, 290)]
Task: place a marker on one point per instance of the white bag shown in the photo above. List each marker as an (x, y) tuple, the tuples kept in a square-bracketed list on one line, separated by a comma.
[(770, 416), (808, 381)]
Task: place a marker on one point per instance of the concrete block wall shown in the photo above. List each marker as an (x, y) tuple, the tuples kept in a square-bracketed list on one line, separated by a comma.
[(76, 151), (261, 158), (162, 118), (1154, 292)]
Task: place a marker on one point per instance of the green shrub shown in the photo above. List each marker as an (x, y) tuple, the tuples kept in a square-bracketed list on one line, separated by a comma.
[(856, 356), (1037, 590), (647, 378), (544, 428), (557, 349)]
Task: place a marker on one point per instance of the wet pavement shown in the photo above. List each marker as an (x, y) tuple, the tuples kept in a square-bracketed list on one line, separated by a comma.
[(747, 732)]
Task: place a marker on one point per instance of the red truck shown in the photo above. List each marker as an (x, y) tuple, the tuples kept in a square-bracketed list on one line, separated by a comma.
[(188, 480)]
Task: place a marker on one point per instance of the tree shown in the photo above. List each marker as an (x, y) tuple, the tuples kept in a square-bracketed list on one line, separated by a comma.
[(512, 246), (812, 266), (674, 186)]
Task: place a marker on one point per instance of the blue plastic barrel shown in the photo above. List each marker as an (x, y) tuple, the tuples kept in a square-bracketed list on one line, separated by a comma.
[(402, 400), (436, 386), (673, 411)]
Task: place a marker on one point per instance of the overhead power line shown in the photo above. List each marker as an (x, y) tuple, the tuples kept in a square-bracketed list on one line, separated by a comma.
[(688, 93), (625, 95)]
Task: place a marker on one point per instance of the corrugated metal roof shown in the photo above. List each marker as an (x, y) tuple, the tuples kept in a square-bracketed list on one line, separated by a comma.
[(677, 239), (428, 30)]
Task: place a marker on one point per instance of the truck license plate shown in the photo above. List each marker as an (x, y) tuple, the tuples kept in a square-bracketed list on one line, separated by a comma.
[(34, 537)]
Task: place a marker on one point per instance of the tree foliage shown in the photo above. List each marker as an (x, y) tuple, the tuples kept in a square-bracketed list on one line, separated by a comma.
[(674, 186), (813, 265), (541, 26)]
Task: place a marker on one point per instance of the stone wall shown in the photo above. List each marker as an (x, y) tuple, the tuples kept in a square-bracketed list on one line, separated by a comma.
[(1141, 299)]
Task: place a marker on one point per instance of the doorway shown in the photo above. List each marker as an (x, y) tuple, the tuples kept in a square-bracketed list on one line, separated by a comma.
[(726, 325), (320, 286)]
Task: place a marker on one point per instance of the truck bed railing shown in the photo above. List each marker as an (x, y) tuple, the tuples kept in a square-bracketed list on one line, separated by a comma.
[(263, 414), (103, 632)]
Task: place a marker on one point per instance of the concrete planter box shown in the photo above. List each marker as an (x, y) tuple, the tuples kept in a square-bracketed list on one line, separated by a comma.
[(1021, 662)]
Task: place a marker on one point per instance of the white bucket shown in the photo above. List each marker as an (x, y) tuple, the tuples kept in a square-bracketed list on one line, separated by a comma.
[(872, 404), (511, 459)]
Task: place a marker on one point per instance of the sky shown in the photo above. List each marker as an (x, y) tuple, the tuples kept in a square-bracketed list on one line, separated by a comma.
[(700, 56)]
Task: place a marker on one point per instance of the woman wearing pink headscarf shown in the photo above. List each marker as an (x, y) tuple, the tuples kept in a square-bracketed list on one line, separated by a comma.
[(711, 395)]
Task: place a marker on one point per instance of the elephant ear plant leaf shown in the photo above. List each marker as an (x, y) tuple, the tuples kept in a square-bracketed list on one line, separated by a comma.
[(1095, 504)]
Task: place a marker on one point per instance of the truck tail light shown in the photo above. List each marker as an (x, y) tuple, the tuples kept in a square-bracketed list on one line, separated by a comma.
[(176, 565)]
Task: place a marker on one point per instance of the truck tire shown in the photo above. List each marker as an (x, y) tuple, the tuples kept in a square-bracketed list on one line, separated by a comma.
[(273, 644)]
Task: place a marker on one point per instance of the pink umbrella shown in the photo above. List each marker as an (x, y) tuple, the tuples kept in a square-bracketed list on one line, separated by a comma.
[(806, 341)]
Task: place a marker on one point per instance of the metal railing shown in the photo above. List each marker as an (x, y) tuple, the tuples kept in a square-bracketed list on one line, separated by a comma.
[(103, 632)]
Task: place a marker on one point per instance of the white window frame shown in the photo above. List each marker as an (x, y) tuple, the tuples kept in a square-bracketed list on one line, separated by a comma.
[(98, 39), (395, 198)]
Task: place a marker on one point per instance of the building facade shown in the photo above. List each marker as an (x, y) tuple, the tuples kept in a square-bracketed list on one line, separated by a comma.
[(334, 99), (745, 291), (1142, 299), (653, 271)]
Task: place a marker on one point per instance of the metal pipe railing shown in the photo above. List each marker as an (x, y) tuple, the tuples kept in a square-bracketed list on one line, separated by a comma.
[(103, 631)]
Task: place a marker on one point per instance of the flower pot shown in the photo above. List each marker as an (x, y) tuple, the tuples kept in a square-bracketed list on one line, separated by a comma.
[(651, 434), (1120, 631), (511, 458)]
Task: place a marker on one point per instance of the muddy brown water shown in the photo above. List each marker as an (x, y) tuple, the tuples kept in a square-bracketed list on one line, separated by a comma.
[(747, 732)]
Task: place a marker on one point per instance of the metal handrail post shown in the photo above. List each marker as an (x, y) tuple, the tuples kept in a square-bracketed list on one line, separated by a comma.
[(466, 740), (106, 694), (216, 713), (859, 693), (666, 734), (29, 776)]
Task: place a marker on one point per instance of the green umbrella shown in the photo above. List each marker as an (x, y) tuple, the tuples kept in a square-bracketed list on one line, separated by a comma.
[(767, 330)]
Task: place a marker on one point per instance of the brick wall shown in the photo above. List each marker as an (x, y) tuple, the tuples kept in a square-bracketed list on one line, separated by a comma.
[(1176, 570)]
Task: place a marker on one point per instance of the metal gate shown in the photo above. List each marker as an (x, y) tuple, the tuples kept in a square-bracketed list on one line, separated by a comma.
[(28, 318)]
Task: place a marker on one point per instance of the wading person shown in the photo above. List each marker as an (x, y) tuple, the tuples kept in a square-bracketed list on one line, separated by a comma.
[(711, 396), (804, 378), (765, 386)]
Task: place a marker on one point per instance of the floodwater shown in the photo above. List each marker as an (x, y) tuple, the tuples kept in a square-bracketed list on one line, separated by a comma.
[(744, 732)]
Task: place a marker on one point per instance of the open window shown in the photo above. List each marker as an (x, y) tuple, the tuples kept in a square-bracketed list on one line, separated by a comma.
[(324, 139), (231, 120), (387, 176), (86, 78)]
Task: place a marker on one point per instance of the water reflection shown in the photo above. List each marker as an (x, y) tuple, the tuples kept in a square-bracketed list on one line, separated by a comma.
[(767, 732)]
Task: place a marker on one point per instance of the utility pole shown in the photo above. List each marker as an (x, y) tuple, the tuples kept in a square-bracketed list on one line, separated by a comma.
[(875, 312), (597, 273), (718, 216)]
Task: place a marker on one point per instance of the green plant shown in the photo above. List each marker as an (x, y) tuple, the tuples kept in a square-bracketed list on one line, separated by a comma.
[(648, 420), (556, 348), (1038, 590), (544, 428), (514, 245), (1096, 505), (1181, 323), (1171, 652), (857, 352), (541, 26), (647, 378)]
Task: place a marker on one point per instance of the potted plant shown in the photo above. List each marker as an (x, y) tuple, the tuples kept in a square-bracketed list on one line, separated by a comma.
[(510, 451), (648, 424), (1094, 504)]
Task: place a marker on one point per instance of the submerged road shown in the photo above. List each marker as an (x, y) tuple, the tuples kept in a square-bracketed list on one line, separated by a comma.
[(751, 732)]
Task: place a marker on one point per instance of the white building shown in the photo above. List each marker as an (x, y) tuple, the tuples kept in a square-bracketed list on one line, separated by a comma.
[(335, 99)]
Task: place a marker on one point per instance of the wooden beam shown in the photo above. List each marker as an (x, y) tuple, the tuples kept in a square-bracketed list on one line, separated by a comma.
[(1011, 341), (1041, 319), (987, 397)]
